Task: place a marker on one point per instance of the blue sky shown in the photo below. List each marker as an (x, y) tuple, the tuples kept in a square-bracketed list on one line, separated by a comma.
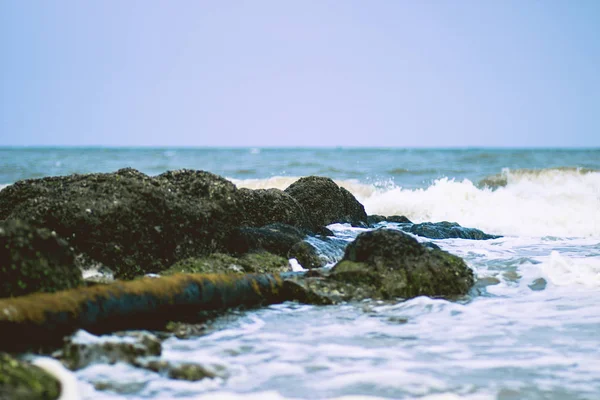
[(300, 73)]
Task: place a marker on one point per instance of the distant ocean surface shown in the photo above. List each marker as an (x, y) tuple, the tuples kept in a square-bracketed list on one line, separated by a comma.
[(534, 333)]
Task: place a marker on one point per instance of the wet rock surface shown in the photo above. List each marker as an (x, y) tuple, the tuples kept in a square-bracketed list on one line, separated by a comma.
[(388, 264), (327, 203), (22, 381), (34, 260), (280, 239), (83, 349), (447, 230)]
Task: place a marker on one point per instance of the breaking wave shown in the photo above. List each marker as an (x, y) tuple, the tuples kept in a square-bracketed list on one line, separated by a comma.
[(562, 202)]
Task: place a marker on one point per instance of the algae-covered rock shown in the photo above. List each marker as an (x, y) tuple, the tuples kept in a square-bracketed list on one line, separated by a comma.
[(183, 371), (387, 264), (260, 262), (326, 202), (83, 349), (127, 221), (447, 230), (280, 239), (267, 206), (34, 260), (23, 381)]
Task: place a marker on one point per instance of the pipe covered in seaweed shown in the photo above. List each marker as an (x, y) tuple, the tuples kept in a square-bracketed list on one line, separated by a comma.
[(43, 319)]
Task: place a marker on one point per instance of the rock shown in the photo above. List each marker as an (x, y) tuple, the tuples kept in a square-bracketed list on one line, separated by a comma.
[(388, 264), (259, 262), (34, 260), (401, 219), (280, 239), (183, 330), (375, 219), (327, 203), (267, 206), (183, 371), (306, 255), (447, 230), (83, 349), (20, 380), (132, 223)]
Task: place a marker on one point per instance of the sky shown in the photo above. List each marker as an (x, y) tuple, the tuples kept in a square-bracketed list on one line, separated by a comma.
[(430, 73)]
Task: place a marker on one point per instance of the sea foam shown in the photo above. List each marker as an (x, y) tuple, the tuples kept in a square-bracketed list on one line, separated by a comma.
[(562, 202)]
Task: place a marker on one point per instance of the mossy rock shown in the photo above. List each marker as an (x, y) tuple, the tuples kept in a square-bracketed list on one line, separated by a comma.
[(389, 264), (23, 381), (34, 260), (260, 262), (279, 239)]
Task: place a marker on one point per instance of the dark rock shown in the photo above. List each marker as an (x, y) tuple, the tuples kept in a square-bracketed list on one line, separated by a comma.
[(84, 349), (399, 219), (447, 230), (132, 223), (306, 255), (183, 371), (267, 206), (375, 219), (258, 262), (34, 260), (280, 239), (20, 381), (327, 203), (387, 264)]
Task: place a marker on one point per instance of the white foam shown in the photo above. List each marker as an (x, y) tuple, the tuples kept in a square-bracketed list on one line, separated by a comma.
[(562, 202), (561, 270), (557, 204), (68, 381)]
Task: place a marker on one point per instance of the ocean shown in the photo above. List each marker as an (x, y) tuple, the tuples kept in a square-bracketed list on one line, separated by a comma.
[(529, 329)]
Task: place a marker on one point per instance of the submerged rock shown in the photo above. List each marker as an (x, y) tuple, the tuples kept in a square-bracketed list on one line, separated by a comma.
[(183, 371), (34, 260), (387, 264), (127, 221), (83, 349), (327, 203), (376, 219), (20, 380), (447, 230)]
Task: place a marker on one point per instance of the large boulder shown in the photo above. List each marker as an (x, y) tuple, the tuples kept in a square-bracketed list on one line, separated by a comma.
[(447, 230), (20, 380), (326, 202), (127, 221), (388, 264), (34, 260), (267, 206)]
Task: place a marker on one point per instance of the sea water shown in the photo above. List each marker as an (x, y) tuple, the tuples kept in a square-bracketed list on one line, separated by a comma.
[(529, 329)]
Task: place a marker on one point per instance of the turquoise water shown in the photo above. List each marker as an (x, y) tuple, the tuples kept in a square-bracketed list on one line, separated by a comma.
[(407, 167), (528, 330)]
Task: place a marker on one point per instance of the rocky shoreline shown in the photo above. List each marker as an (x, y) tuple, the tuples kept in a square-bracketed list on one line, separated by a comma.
[(215, 245)]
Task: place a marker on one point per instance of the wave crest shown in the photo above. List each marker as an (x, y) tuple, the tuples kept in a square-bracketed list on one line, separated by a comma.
[(549, 175)]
